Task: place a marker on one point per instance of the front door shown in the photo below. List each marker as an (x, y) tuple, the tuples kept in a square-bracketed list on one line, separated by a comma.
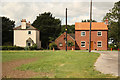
[(91, 45)]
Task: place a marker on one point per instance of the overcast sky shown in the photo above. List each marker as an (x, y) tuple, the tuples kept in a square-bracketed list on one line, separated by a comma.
[(77, 11)]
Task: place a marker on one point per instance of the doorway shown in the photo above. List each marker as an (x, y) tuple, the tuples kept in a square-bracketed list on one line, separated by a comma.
[(91, 45)]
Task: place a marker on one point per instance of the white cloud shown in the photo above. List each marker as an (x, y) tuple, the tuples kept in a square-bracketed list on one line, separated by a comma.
[(58, 0), (77, 11)]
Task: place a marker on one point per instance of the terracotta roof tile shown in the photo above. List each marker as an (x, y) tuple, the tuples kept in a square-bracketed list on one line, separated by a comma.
[(86, 26)]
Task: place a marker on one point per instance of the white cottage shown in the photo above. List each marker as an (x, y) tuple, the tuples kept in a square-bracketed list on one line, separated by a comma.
[(26, 35)]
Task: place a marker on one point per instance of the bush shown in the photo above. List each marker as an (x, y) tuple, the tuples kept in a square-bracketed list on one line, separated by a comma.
[(52, 45), (70, 43), (112, 46), (26, 48), (11, 48), (34, 47)]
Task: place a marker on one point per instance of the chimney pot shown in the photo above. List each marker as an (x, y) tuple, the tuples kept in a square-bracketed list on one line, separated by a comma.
[(23, 20), (23, 24), (106, 21)]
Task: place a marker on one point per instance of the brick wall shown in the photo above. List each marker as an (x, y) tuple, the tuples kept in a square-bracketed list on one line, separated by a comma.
[(94, 38), (60, 39)]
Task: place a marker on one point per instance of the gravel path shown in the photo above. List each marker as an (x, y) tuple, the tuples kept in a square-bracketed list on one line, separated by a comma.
[(108, 62)]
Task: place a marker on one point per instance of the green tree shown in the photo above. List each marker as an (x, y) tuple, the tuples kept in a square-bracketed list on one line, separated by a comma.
[(113, 17), (49, 27), (70, 43), (7, 30), (88, 20), (52, 45), (70, 29)]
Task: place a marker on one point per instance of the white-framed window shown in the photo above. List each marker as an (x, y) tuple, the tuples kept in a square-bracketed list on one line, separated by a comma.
[(99, 33), (82, 33), (82, 43), (60, 44), (29, 32), (99, 44)]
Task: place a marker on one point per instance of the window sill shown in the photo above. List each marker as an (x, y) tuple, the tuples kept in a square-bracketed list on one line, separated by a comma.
[(82, 46), (99, 46)]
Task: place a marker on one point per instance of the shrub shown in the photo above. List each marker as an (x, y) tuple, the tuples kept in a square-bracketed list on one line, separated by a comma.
[(52, 45), (112, 46), (33, 47), (11, 48), (26, 48), (70, 43)]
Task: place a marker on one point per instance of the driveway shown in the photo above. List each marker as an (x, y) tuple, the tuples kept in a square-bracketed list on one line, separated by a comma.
[(108, 62)]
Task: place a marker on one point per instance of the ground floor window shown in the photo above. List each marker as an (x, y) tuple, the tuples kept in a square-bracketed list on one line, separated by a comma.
[(99, 44), (60, 44), (82, 43)]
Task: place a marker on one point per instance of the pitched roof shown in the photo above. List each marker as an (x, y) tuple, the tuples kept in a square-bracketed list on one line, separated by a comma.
[(28, 27), (29, 40), (86, 26), (72, 35)]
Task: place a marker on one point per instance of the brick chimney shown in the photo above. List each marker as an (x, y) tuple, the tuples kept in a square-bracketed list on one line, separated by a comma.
[(23, 24), (106, 21)]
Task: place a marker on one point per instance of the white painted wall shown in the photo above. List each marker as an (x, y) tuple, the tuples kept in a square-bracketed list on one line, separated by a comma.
[(20, 37)]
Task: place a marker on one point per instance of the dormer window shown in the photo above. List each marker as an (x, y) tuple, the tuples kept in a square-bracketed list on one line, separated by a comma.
[(99, 33), (29, 32)]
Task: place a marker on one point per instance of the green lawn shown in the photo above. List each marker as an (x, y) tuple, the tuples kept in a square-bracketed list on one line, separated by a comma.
[(58, 64)]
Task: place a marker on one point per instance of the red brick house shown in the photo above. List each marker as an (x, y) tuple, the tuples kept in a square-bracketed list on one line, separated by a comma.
[(60, 41), (98, 35)]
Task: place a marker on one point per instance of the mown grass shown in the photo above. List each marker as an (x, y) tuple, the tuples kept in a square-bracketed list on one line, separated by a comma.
[(17, 55), (58, 64)]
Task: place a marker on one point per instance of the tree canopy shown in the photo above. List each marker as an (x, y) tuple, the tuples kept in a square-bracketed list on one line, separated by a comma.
[(70, 28), (113, 17), (49, 27), (7, 31)]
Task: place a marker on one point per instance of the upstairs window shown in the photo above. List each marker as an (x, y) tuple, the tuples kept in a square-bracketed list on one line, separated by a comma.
[(83, 33), (99, 33), (99, 44), (29, 32), (82, 43)]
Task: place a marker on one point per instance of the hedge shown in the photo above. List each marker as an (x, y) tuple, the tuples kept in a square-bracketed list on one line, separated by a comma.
[(11, 48), (34, 47)]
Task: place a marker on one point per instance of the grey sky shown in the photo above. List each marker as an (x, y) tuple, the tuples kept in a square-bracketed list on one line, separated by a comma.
[(76, 10)]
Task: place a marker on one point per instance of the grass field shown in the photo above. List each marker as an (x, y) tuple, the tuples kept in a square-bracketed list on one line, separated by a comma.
[(58, 64)]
